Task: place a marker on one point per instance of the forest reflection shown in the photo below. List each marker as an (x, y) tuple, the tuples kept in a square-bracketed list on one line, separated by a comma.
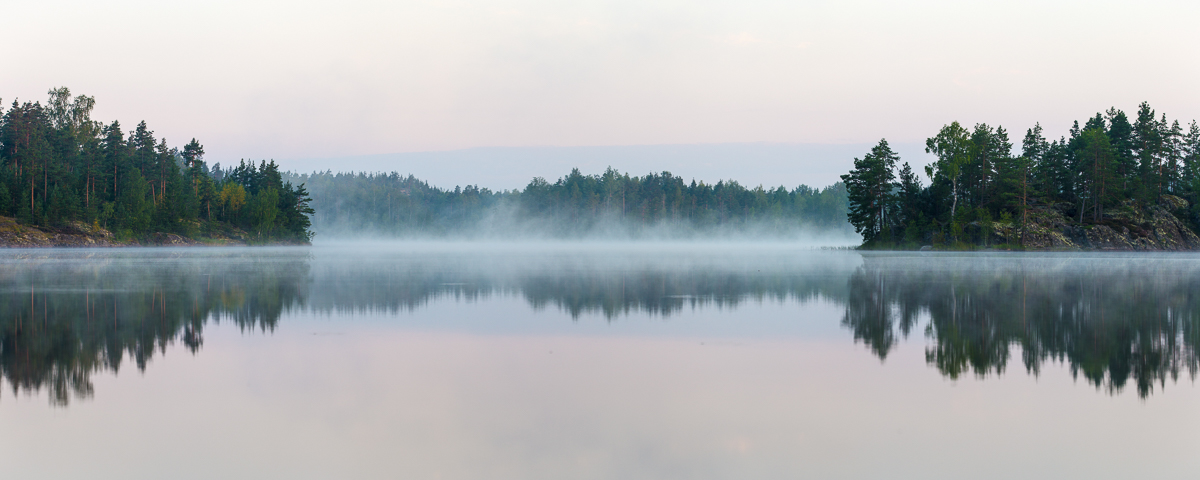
[(66, 316), (1112, 320)]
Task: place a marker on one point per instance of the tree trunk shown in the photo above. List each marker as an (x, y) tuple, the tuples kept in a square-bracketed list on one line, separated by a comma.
[(1082, 208), (954, 203), (1024, 200), (1095, 183)]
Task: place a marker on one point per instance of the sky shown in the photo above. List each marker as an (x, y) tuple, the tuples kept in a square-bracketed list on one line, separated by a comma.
[(360, 84)]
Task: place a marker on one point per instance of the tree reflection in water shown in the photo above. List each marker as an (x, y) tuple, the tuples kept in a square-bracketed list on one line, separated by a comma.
[(66, 316), (1112, 319)]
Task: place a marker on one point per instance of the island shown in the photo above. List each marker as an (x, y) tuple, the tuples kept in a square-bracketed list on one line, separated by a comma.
[(1111, 184)]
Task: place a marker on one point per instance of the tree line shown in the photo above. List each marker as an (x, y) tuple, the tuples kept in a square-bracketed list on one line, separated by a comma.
[(58, 165), (1109, 162), (574, 205)]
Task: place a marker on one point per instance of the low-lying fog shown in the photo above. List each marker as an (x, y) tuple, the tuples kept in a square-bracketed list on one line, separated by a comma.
[(721, 359), (499, 225)]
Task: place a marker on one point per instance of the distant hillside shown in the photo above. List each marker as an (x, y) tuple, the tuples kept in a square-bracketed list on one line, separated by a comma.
[(607, 205), (507, 168)]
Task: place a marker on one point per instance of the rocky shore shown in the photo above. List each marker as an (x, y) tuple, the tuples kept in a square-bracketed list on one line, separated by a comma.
[(1128, 227), (81, 235)]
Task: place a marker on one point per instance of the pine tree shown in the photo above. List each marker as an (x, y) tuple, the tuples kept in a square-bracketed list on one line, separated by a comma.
[(1120, 136), (1096, 167), (909, 201), (869, 189), (1191, 171), (59, 165), (1033, 148), (1172, 155), (1147, 145)]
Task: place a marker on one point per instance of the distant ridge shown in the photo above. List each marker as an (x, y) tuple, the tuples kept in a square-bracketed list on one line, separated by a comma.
[(500, 168)]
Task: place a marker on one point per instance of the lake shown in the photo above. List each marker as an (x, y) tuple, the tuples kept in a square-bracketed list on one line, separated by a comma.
[(596, 360)]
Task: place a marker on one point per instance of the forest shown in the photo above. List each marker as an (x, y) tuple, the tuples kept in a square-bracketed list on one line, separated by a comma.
[(60, 167), (1103, 173), (611, 204)]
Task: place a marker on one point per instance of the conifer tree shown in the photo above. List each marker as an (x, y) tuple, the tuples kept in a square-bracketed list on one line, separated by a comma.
[(1096, 168), (1120, 136), (869, 189), (57, 165), (1147, 137), (909, 200)]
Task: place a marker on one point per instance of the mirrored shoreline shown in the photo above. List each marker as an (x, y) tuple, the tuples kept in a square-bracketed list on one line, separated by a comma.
[(1123, 323)]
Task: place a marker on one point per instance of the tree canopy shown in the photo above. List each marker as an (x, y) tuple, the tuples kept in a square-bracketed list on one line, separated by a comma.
[(977, 179), (574, 205), (57, 166)]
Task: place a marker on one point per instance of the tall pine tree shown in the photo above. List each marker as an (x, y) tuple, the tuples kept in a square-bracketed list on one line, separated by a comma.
[(869, 188)]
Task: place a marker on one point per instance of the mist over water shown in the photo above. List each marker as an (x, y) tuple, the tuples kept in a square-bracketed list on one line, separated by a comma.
[(980, 311), (605, 206), (504, 223), (504, 229), (714, 356)]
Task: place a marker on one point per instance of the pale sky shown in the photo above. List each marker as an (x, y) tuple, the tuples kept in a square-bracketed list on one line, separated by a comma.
[(305, 80)]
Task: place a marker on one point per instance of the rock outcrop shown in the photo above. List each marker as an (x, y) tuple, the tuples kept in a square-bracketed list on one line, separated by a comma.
[(81, 235), (1128, 227), (171, 240), (75, 234)]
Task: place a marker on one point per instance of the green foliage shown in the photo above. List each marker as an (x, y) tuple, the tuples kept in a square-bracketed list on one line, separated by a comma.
[(1111, 331), (1114, 324), (574, 205), (57, 165), (1102, 164), (869, 190), (953, 148), (108, 315)]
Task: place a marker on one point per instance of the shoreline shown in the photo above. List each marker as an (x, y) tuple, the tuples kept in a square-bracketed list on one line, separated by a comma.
[(79, 235)]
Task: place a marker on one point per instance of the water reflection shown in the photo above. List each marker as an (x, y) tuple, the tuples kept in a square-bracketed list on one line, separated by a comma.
[(66, 316), (1113, 320), (578, 284)]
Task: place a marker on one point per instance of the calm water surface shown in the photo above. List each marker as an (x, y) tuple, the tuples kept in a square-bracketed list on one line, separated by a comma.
[(472, 361)]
